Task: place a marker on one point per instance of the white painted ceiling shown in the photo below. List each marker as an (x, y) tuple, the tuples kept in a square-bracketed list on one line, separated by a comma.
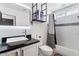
[(28, 4), (50, 6), (55, 6), (14, 6)]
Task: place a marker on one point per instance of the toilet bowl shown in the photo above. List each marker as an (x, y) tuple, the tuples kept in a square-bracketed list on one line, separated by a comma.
[(45, 51)]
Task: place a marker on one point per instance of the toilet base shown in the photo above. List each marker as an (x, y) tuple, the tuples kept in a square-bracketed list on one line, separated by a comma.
[(41, 54)]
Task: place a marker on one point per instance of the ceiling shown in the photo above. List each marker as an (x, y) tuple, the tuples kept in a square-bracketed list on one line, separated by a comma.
[(15, 6), (55, 6), (50, 6), (28, 4)]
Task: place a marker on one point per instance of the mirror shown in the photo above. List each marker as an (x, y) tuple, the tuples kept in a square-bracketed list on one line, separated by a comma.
[(12, 14), (7, 20)]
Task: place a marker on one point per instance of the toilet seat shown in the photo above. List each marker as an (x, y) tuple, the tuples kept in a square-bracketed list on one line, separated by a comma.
[(46, 48)]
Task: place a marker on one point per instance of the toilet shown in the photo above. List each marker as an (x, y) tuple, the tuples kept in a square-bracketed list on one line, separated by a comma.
[(45, 50)]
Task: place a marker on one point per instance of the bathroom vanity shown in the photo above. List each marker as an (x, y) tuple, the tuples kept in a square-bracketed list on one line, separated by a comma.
[(17, 41), (28, 48)]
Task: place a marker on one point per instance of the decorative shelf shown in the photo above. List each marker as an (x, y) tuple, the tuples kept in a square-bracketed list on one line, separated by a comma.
[(43, 10)]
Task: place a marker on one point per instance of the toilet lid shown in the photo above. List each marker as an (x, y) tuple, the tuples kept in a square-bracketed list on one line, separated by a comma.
[(46, 48)]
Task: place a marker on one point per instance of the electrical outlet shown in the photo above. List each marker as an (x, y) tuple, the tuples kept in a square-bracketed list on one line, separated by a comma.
[(39, 36)]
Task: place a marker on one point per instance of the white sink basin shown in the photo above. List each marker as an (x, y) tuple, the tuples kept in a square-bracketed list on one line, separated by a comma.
[(16, 41)]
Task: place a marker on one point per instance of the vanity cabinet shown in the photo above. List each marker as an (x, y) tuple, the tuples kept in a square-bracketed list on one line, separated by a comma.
[(15, 52), (31, 50)]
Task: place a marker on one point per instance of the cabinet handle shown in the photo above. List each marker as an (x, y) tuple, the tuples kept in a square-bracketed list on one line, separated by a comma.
[(16, 53), (22, 52)]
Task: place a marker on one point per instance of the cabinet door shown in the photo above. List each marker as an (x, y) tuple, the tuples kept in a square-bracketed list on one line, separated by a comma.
[(11, 53), (31, 50)]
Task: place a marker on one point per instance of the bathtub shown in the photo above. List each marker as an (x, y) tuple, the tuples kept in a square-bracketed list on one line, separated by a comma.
[(67, 51)]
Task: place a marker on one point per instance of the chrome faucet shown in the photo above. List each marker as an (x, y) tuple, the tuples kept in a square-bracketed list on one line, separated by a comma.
[(25, 33)]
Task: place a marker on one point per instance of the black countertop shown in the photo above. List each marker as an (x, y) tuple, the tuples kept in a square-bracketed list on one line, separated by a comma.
[(26, 43)]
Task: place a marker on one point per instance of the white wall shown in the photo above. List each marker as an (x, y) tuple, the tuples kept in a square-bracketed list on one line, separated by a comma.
[(22, 18), (39, 29)]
